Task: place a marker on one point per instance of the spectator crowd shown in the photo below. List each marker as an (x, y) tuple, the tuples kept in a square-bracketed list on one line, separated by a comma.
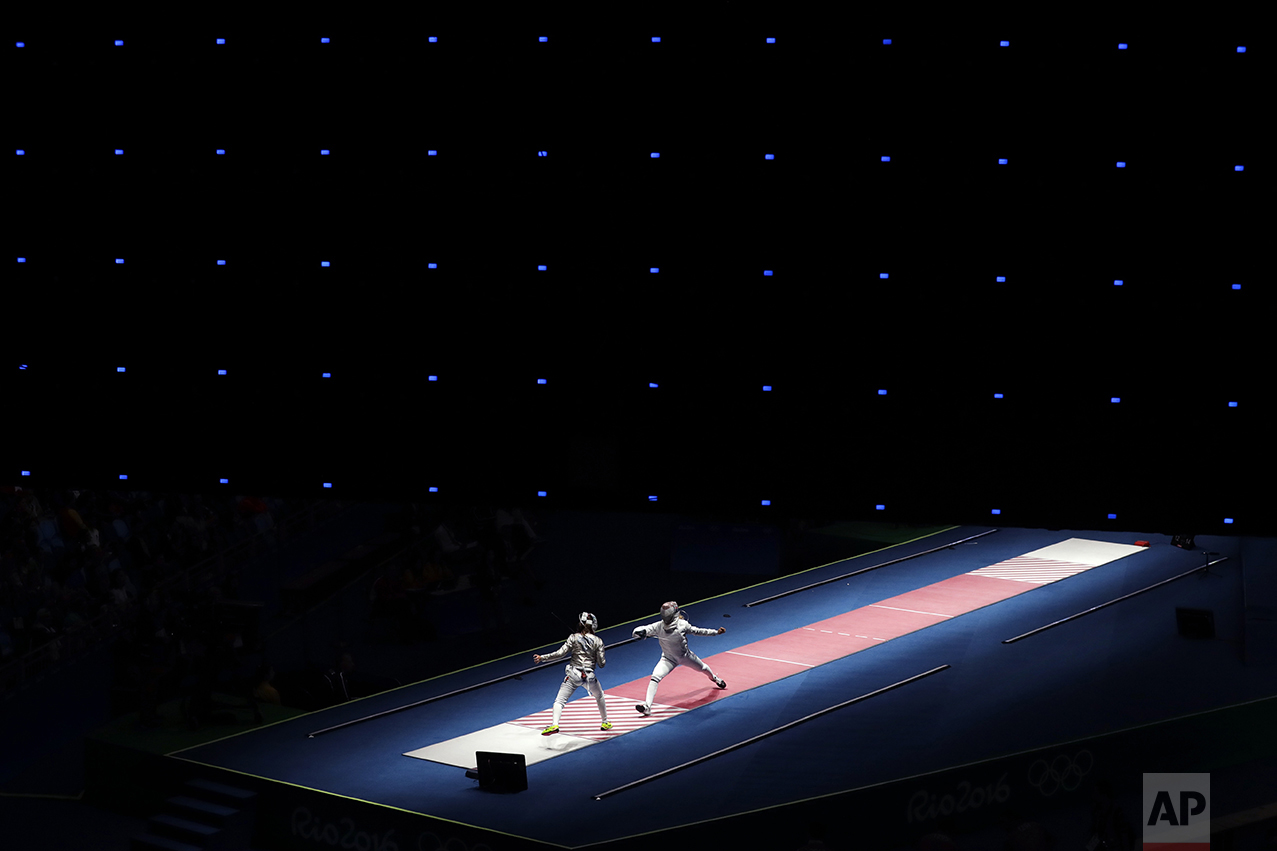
[(78, 567)]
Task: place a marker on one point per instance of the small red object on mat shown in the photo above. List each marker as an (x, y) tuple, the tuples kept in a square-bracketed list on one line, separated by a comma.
[(1141, 543)]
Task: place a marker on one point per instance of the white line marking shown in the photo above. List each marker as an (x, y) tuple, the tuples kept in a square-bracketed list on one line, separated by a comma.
[(827, 631), (871, 638), (809, 629), (846, 634), (915, 611), (770, 659)]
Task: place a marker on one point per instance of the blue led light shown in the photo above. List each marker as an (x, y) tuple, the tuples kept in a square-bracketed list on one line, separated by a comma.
[(885, 159), (221, 372), (996, 511), (221, 41), (767, 273), (655, 155), (224, 481), (767, 388), (543, 38), (1121, 46), (327, 375), (124, 478), (540, 493), (542, 154), (1228, 520), (323, 263), (656, 39), (771, 40), (119, 261), (540, 268), (654, 269), (766, 502), (1121, 164), (540, 381), (323, 41), (1002, 162), (23, 260), (769, 156), (1237, 286), (1232, 404), (21, 44), (1239, 168), (323, 152), (432, 378), (652, 498), (1115, 399), (432, 265), (433, 39), (886, 41), (434, 490), (432, 153), (221, 152), (1118, 282), (328, 484), (1002, 279), (1112, 516), (1241, 49), (21, 152), (652, 384), (880, 507), (882, 392), (883, 275), (119, 43), (997, 396), (26, 472), (119, 369), (1004, 44), (119, 152)]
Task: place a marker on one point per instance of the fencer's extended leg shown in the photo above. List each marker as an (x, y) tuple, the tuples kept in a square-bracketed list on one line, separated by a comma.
[(565, 691), (691, 660), (662, 668)]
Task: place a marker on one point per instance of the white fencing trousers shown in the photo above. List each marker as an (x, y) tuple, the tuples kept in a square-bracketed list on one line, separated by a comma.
[(667, 664), (576, 678)]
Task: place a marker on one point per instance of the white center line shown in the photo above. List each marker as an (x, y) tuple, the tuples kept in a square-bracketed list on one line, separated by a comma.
[(770, 659), (915, 611)]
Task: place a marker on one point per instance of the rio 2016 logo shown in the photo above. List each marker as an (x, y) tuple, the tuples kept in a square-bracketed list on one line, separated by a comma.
[(926, 805), (1059, 773), (345, 834)]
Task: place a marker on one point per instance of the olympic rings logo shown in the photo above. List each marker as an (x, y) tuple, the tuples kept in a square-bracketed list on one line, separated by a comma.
[(1062, 772)]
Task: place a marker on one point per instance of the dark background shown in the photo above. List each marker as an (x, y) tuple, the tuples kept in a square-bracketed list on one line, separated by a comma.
[(943, 219)]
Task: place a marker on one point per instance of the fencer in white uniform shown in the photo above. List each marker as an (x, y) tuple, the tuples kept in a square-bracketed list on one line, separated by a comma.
[(586, 650), (672, 631)]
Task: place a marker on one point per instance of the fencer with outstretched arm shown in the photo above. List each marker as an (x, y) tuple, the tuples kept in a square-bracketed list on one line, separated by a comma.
[(586, 650), (672, 631)]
